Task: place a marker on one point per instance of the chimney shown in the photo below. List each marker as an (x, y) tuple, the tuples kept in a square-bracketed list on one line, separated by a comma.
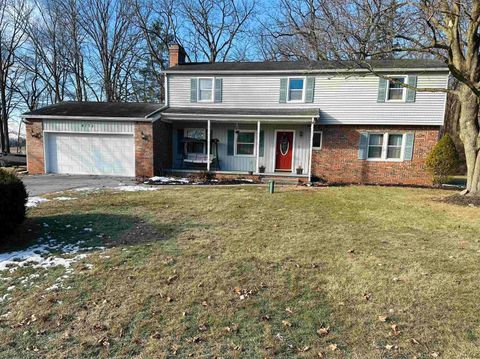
[(177, 55)]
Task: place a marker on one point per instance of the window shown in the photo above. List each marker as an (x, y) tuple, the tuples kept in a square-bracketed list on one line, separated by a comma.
[(385, 146), (394, 148), (196, 134), (395, 90), (375, 145), (295, 89), (245, 143), (205, 89), (317, 140)]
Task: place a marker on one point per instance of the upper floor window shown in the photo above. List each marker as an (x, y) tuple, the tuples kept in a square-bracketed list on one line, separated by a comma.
[(205, 89), (395, 90), (296, 89)]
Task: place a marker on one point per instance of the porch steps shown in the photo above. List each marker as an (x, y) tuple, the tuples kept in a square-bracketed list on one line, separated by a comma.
[(284, 180)]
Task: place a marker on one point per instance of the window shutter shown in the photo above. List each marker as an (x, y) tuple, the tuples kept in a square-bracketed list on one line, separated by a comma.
[(412, 81), (409, 140), (310, 89), (283, 90), (218, 90), (382, 89), (193, 90), (180, 143), (262, 144), (230, 142), (363, 146)]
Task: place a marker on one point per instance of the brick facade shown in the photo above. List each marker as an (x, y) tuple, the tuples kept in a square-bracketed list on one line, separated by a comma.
[(35, 151), (337, 161)]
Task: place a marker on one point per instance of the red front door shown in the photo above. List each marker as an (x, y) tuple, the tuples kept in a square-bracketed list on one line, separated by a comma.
[(283, 151)]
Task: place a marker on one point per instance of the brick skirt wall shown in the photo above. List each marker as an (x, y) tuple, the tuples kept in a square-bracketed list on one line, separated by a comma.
[(337, 161)]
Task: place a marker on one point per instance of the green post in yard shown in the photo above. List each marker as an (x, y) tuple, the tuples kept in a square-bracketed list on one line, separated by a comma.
[(271, 187)]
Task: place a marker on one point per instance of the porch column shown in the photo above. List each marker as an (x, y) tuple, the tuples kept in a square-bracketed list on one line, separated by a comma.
[(258, 147), (208, 145), (311, 150)]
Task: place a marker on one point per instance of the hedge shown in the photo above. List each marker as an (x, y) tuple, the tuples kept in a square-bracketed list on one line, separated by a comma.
[(13, 197)]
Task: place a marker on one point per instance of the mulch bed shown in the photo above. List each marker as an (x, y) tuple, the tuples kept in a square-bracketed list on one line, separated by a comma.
[(460, 200)]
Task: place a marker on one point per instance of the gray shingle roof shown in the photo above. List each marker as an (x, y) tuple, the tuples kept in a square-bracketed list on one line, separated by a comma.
[(308, 112), (121, 110), (311, 65)]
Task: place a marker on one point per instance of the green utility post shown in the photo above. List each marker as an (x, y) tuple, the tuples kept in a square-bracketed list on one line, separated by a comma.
[(271, 187)]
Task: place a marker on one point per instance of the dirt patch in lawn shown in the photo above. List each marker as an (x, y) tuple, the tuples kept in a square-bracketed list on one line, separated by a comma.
[(460, 200), (141, 232)]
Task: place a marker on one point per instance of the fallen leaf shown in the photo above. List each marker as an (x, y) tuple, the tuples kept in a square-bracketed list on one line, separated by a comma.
[(351, 251), (414, 341), (204, 303), (169, 299), (266, 318), (435, 355), (202, 327), (395, 330), (389, 347), (382, 318), (320, 355), (286, 323), (305, 349), (367, 296), (156, 335), (289, 310), (323, 331), (333, 347), (175, 348)]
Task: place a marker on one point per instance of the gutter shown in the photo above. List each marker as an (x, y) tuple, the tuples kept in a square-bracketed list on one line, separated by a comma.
[(303, 71)]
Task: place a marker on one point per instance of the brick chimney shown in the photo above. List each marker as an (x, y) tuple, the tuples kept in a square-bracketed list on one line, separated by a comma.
[(177, 55)]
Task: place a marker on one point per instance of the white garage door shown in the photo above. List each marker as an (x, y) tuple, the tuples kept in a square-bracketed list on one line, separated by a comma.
[(92, 154)]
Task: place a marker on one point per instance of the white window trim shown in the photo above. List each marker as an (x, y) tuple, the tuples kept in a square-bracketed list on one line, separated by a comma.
[(235, 142), (213, 89), (303, 89), (185, 131), (384, 158), (321, 140), (404, 92)]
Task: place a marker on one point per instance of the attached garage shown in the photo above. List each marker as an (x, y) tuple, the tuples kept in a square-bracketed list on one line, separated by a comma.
[(89, 148), (97, 138)]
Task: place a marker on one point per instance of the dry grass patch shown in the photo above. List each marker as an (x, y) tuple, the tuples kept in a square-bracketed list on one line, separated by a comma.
[(351, 272)]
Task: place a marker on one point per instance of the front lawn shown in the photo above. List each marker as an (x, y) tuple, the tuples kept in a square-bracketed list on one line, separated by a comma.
[(233, 272)]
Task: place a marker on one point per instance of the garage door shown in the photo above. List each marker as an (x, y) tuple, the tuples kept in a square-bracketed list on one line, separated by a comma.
[(92, 154)]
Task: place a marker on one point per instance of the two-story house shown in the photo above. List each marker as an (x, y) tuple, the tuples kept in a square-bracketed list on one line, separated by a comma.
[(336, 121)]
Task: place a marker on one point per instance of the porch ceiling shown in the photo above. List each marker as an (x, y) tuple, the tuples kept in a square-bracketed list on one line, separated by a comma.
[(293, 115)]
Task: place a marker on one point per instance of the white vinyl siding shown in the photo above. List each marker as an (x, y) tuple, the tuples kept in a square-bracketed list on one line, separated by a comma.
[(88, 126), (341, 99)]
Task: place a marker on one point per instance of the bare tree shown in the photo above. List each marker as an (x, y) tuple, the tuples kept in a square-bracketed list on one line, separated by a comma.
[(213, 27), (13, 14), (329, 29), (114, 41)]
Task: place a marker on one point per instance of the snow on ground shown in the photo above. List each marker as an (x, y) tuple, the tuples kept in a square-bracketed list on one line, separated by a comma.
[(168, 180), (61, 198), (133, 188), (34, 201), (44, 255)]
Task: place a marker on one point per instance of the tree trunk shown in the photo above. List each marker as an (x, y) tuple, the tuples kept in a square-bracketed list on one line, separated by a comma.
[(4, 115), (469, 133)]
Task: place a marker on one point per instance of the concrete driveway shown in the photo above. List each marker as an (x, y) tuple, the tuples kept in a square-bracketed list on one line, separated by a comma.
[(42, 184)]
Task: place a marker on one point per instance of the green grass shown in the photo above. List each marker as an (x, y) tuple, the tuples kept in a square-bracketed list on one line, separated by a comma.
[(166, 286)]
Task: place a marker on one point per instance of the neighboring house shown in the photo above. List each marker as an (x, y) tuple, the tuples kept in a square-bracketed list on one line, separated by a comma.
[(329, 120)]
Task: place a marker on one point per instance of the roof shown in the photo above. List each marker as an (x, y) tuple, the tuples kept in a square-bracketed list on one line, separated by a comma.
[(306, 66), (98, 110), (173, 112)]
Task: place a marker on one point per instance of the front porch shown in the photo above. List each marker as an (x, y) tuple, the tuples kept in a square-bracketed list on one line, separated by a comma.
[(242, 148)]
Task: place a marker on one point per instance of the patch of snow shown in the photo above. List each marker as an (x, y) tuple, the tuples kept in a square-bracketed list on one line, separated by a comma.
[(249, 180), (168, 180), (9, 289), (3, 299), (87, 189), (35, 201), (133, 188), (64, 198), (41, 256)]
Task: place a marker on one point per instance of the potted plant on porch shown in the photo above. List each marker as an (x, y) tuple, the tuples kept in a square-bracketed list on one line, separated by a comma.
[(299, 170), (261, 169)]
